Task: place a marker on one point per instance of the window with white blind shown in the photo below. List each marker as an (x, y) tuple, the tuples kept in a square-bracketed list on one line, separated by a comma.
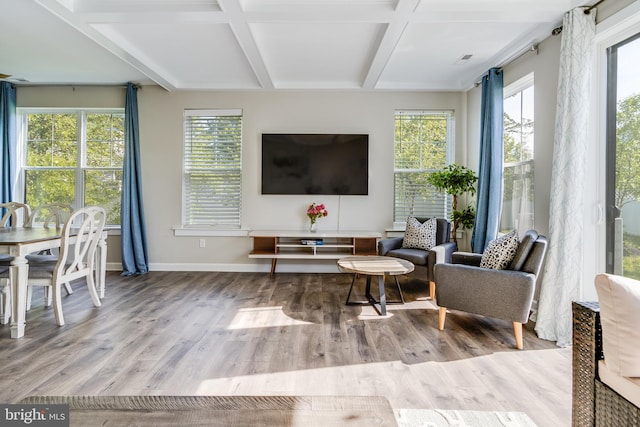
[(212, 168), (424, 143)]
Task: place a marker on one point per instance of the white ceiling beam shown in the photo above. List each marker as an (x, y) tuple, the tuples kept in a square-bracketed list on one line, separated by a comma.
[(67, 16), (391, 37), (242, 32)]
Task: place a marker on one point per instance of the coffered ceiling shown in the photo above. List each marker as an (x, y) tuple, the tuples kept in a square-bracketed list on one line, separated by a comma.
[(270, 44)]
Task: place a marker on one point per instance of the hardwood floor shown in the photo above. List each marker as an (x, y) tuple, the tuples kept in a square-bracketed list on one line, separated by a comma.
[(202, 333)]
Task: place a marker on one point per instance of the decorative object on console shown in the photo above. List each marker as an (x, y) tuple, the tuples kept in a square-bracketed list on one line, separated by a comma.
[(315, 211)]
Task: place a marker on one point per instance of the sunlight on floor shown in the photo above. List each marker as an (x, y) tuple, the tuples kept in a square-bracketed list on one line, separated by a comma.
[(466, 375), (263, 317)]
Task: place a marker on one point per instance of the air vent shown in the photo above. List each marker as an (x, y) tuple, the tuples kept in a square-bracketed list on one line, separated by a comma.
[(463, 59)]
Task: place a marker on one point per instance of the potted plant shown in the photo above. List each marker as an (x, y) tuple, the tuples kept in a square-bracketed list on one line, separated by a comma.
[(457, 180)]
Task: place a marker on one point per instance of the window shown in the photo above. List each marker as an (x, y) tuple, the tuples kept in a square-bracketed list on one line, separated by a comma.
[(212, 168), (74, 157), (423, 144), (518, 197), (623, 158)]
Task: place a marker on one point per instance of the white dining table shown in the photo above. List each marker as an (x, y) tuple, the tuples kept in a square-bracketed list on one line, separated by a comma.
[(20, 242)]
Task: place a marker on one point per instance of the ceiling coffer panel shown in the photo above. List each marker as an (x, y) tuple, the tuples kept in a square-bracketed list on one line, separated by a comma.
[(320, 55), (194, 55)]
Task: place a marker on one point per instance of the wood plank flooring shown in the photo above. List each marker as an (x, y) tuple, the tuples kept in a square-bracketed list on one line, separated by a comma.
[(210, 333)]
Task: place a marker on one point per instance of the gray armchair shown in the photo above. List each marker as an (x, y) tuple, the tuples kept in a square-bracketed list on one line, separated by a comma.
[(422, 259), (503, 294)]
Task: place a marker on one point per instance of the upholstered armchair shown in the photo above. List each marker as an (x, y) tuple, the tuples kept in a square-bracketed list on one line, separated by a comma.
[(424, 260), (503, 294)]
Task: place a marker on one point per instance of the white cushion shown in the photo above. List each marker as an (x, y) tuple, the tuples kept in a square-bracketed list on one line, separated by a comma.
[(620, 318), (627, 387), (500, 252), (420, 236)]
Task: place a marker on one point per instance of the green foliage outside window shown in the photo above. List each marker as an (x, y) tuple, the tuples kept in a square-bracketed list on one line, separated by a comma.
[(628, 174), (53, 165), (420, 148)]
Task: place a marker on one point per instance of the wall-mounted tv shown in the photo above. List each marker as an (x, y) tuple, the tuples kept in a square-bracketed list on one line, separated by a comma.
[(315, 164)]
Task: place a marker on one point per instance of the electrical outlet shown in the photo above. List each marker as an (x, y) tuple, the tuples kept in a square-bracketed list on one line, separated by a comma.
[(203, 243)]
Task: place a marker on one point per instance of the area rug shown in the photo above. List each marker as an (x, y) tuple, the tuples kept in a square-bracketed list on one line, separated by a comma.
[(438, 418)]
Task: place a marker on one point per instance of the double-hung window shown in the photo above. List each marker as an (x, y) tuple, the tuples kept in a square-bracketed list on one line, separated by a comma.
[(424, 143), (517, 197), (212, 179), (73, 157)]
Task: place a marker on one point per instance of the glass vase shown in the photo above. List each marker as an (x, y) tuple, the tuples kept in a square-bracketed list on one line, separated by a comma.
[(313, 227)]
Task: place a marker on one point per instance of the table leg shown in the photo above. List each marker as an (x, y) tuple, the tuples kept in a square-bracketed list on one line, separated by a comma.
[(383, 296), (381, 304), (18, 275), (273, 267)]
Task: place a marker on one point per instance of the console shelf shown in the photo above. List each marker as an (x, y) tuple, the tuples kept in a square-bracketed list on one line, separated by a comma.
[(279, 244)]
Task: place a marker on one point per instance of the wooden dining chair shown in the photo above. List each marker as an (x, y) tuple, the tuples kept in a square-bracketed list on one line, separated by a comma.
[(14, 215), (80, 236), (47, 216)]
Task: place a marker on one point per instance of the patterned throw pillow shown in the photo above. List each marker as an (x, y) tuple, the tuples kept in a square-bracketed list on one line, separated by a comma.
[(500, 252), (420, 236)]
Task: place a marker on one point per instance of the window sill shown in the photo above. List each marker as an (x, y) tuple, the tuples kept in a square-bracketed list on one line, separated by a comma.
[(191, 232)]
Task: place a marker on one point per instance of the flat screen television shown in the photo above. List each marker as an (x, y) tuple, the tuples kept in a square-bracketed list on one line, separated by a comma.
[(315, 164)]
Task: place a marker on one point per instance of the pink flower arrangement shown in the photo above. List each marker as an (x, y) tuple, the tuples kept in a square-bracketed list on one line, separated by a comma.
[(316, 211)]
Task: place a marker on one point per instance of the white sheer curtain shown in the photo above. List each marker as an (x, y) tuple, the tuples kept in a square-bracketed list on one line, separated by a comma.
[(561, 281)]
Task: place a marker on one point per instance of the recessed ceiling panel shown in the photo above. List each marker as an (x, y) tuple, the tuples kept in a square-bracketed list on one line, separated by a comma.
[(317, 55), (190, 56), (428, 53), (38, 48), (318, 6)]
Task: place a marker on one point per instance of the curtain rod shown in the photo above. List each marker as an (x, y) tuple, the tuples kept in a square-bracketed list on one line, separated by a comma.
[(532, 48), (117, 85), (587, 11)]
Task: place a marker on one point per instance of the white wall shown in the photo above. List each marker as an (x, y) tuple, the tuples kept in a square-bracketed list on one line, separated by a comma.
[(161, 117)]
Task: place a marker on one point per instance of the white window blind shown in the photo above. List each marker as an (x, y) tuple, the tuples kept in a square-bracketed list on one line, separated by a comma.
[(212, 168), (423, 144)]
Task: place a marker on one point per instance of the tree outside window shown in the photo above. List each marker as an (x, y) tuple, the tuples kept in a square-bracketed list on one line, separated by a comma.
[(518, 195), (74, 157), (423, 144)]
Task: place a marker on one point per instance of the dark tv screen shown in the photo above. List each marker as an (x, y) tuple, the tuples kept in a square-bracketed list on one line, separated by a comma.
[(315, 164)]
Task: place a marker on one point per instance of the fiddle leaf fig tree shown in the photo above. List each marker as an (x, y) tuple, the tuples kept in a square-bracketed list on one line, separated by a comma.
[(457, 180)]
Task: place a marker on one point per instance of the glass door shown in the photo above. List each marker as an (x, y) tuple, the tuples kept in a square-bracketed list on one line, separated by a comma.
[(623, 158)]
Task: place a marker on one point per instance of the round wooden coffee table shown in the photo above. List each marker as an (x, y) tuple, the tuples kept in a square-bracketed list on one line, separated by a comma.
[(380, 267)]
